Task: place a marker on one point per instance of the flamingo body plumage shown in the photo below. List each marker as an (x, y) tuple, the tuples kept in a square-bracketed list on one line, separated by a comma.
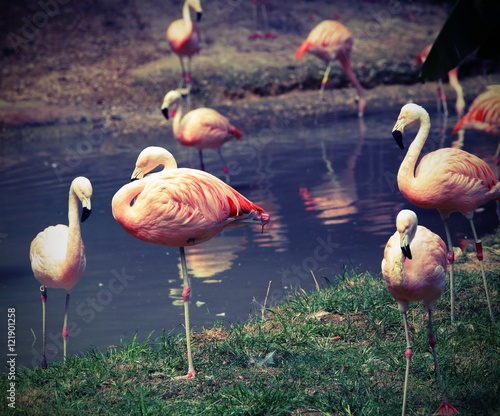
[(446, 179), (179, 207), (414, 269), (201, 128), (57, 254), (329, 41)]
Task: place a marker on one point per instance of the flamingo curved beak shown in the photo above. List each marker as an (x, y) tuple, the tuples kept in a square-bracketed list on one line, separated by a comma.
[(85, 214), (398, 136), (198, 16), (164, 111), (405, 246)]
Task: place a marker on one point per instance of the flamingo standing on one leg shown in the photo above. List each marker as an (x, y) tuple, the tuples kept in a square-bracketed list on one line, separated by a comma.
[(483, 115), (331, 40), (178, 208), (454, 83), (202, 128), (184, 38), (414, 269), (57, 254), (447, 179)]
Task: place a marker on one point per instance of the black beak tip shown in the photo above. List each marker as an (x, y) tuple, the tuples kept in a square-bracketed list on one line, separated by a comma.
[(198, 16), (406, 252), (164, 111), (134, 179), (399, 138), (85, 214)]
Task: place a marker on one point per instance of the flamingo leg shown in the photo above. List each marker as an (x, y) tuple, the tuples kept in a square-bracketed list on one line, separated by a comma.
[(183, 76), (451, 260), (202, 165), (324, 81), (345, 61), (479, 255), (44, 300), (255, 34), (408, 354), (65, 333), (445, 408), (225, 169), (268, 34), (442, 98), (186, 294)]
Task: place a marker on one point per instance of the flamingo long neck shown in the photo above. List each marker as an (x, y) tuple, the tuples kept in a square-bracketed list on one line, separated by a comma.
[(122, 209), (406, 173), (179, 113), (186, 16), (74, 247)]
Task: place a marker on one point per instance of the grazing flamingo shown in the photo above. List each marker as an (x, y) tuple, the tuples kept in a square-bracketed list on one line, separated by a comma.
[(178, 208), (256, 34), (184, 38), (57, 254), (483, 115), (454, 83), (414, 269), (202, 128), (331, 40), (447, 179)]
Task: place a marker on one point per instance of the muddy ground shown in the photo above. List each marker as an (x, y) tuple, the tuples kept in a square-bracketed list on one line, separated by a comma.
[(108, 62)]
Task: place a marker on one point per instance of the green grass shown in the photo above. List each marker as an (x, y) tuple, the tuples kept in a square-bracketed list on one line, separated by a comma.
[(336, 351)]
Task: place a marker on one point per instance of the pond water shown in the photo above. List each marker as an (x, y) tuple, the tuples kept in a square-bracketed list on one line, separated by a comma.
[(330, 189)]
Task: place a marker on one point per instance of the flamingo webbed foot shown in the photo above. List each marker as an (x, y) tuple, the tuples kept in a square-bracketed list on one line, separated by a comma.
[(189, 376)]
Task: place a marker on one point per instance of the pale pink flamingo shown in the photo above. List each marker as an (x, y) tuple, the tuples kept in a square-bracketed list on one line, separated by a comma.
[(256, 34), (57, 254), (331, 40), (447, 179), (483, 115), (178, 208), (202, 128), (184, 38), (454, 83), (414, 269)]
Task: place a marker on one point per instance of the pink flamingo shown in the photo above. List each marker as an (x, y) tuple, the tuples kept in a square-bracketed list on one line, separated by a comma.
[(178, 208), (331, 40), (184, 38), (57, 254), (202, 128), (446, 179), (483, 115), (454, 83), (414, 269)]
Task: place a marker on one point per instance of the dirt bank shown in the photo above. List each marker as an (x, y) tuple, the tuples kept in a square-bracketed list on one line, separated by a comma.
[(108, 62)]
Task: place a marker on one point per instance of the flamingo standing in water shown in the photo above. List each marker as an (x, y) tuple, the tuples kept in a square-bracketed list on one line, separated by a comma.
[(184, 38), (447, 179), (483, 115), (178, 208), (454, 83), (57, 254), (331, 40), (414, 269), (202, 128)]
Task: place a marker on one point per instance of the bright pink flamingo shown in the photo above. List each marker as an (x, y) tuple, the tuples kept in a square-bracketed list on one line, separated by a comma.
[(57, 254), (331, 40), (256, 34), (202, 128), (447, 179), (483, 115), (184, 38), (414, 269), (178, 208), (454, 83)]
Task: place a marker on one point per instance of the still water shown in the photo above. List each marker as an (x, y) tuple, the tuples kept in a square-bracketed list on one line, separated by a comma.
[(330, 189)]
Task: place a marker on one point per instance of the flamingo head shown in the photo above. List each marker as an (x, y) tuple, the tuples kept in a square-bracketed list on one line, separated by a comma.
[(82, 188), (406, 225), (410, 115), (150, 158)]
